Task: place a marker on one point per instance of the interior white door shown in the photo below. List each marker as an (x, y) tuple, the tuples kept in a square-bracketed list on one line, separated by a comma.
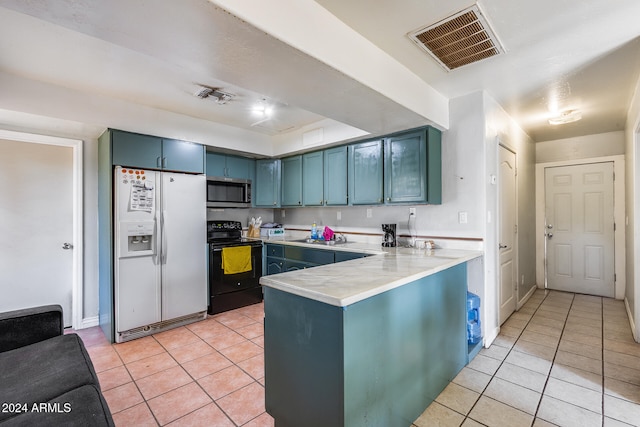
[(36, 210), (507, 233), (579, 208)]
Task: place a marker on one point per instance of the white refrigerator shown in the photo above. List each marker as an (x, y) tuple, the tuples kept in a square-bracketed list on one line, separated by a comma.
[(160, 251)]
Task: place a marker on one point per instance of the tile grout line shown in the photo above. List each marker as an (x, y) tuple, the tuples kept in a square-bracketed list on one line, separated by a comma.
[(554, 358), (546, 381)]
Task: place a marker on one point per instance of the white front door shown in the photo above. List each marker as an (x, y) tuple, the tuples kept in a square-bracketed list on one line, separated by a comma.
[(507, 229), (579, 221), (36, 222)]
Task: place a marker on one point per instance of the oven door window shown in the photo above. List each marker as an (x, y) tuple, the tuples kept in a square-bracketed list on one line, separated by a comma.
[(226, 192)]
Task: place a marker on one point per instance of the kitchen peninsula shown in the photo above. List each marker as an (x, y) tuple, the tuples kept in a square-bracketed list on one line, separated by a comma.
[(366, 342)]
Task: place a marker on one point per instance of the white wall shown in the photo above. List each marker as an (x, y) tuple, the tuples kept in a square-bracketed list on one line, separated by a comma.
[(632, 139), (315, 135), (582, 147), (509, 133)]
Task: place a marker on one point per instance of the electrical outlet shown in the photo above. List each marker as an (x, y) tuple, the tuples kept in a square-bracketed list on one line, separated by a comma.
[(369, 213), (283, 213), (339, 215), (412, 211)]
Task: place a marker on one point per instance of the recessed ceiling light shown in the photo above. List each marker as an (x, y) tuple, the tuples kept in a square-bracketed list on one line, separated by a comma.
[(567, 116)]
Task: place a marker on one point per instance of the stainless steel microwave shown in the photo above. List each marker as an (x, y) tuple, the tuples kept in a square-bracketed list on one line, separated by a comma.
[(223, 192)]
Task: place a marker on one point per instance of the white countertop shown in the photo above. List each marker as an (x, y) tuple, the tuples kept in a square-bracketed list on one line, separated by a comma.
[(345, 283)]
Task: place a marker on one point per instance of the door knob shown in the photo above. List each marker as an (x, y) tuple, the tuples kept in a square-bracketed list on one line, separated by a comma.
[(549, 226), (549, 235), (67, 246)]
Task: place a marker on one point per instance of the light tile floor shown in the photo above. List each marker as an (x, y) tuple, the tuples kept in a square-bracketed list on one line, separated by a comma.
[(209, 373), (562, 359)]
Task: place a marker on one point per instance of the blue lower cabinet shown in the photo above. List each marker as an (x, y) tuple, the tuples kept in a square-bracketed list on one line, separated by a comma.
[(290, 265), (274, 265), (378, 362), (309, 256), (346, 256), (280, 258)]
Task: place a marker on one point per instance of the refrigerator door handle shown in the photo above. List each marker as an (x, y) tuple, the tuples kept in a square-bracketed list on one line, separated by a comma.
[(156, 242), (164, 237)]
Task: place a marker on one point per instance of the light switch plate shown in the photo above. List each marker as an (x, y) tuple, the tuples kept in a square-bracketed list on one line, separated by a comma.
[(462, 217)]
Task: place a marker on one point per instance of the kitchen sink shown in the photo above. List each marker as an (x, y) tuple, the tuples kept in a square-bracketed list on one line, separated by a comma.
[(321, 242)]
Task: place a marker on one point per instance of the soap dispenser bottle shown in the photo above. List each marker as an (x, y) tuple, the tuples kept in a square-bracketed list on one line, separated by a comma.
[(314, 231)]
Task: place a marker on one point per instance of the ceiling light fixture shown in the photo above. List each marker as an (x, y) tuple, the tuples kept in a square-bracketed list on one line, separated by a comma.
[(214, 93), (567, 116), (262, 109)]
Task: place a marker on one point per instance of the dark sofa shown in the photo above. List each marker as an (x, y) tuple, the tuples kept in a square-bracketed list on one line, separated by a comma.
[(46, 377)]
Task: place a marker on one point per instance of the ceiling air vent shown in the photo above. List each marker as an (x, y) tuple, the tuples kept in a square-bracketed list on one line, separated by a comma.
[(461, 39)]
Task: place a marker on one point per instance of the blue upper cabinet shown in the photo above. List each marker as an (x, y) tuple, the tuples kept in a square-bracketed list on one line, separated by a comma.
[(182, 156), (366, 173), (136, 150), (312, 179), (292, 181), (412, 167), (223, 165), (335, 176), (405, 168), (266, 187), (434, 166), (216, 164), (151, 152)]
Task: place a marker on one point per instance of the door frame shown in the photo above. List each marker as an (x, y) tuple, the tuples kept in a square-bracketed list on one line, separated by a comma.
[(77, 299), (618, 217)]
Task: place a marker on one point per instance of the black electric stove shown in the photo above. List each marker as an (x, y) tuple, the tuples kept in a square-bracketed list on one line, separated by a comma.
[(230, 291)]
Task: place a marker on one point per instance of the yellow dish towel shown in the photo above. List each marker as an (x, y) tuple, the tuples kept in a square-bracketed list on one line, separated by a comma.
[(236, 259)]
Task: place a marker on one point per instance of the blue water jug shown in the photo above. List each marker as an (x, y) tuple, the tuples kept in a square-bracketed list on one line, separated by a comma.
[(474, 331)]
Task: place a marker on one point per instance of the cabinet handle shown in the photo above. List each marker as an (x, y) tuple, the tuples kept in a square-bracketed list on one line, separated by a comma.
[(274, 203), (379, 200), (164, 162), (158, 162), (388, 199)]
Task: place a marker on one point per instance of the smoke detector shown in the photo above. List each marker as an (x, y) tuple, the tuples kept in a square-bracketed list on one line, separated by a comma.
[(461, 39), (214, 93)]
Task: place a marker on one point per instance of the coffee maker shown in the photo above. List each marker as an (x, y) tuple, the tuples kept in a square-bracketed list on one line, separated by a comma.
[(389, 239)]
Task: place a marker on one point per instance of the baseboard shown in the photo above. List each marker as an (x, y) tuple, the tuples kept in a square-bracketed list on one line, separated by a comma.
[(632, 321), (526, 297), (90, 322), (491, 336)]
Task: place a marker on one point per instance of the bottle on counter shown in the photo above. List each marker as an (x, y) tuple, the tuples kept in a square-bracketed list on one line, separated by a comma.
[(314, 231)]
